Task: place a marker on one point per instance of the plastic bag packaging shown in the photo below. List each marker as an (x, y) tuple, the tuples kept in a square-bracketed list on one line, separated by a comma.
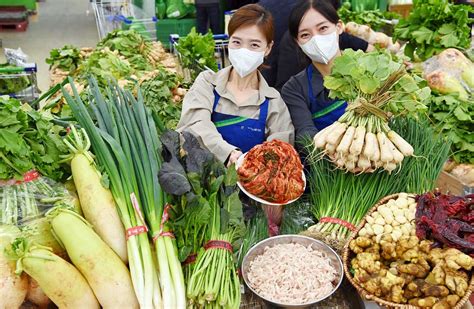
[(297, 217), (450, 72), (29, 199), (16, 57), (176, 9)]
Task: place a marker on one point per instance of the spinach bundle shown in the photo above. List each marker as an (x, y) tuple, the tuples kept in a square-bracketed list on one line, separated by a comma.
[(206, 218)]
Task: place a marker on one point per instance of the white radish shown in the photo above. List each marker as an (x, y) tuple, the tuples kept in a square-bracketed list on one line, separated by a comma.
[(371, 147), (390, 166), (59, 280), (358, 143), (385, 153), (36, 295), (363, 163), (320, 138), (97, 202), (343, 147), (13, 288), (107, 275), (397, 155), (334, 138), (405, 148)]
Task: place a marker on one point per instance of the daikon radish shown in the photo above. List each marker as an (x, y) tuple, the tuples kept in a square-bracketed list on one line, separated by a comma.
[(320, 138), (336, 135), (371, 147), (97, 202), (13, 288), (405, 148), (59, 280), (36, 295), (385, 153), (358, 143), (343, 147), (105, 272), (397, 155)]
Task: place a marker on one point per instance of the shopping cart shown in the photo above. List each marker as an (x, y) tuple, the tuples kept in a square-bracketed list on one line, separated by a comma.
[(221, 54), (145, 26), (19, 82), (115, 14)]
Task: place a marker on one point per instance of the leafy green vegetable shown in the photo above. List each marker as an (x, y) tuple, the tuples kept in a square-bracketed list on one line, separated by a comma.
[(454, 118), (197, 52), (378, 79), (105, 65), (206, 207), (13, 83), (66, 58), (158, 93), (376, 19), (28, 140), (256, 230), (434, 25)]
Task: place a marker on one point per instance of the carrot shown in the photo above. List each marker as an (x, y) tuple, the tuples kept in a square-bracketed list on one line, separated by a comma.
[(107, 275), (97, 202), (59, 280)]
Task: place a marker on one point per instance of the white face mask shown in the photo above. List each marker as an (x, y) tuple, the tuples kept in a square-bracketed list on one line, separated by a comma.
[(245, 61), (321, 48)]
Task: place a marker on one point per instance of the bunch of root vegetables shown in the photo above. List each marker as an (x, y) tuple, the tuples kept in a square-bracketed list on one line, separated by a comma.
[(362, 145)]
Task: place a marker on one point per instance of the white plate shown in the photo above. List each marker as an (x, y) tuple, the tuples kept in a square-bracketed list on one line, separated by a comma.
[(239, 162)]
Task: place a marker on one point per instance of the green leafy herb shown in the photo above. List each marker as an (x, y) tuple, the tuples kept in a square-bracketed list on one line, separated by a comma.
[(159, 93), (377, 78), (454, 118), (66, 58), (434, 25), (28, 140), (376, 19), (197, 52)]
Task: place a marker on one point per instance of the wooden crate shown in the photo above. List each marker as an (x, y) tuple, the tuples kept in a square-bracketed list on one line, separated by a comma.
[(402, 9), (447, 182)]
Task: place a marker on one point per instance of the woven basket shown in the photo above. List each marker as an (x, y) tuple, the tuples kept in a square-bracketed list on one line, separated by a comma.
[(347, 255)]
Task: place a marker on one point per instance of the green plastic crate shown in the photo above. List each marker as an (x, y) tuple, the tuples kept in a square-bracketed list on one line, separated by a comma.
[(30, 5), (165, 27)]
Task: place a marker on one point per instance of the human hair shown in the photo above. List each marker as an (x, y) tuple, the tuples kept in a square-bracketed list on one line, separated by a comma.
[(250, 15), (324, 7)]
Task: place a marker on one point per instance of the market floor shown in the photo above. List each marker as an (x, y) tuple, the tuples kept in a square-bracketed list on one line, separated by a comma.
[(57, 23)]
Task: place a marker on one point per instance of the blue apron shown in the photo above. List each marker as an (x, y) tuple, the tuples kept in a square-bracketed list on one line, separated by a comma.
[(241, 132), (328, 115)]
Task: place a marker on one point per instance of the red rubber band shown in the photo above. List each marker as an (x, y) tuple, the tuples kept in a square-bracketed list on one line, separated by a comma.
[(190, 259), (219, 244), (163, 234), (344, 223), (136, 230), (30, 176)]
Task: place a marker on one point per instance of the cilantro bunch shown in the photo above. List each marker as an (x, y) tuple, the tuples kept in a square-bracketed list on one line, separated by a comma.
[(28, 140), (434, 25)]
